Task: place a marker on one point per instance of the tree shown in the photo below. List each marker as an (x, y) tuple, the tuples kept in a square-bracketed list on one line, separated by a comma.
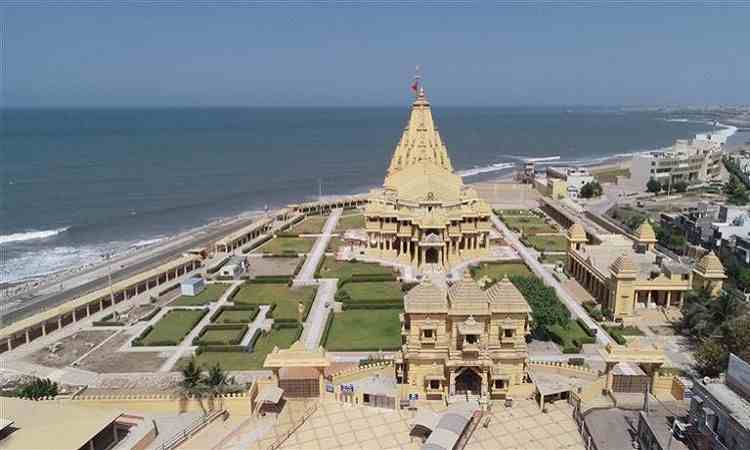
[(680, 186), (37, 388), (193, 384), (218, 382), (653, 186), (736, 191), (591, 189), (743, 278), (710, 359)]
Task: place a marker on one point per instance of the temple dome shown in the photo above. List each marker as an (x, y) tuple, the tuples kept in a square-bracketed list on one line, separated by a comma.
[(710, 265), (576, 232), (623, 265)]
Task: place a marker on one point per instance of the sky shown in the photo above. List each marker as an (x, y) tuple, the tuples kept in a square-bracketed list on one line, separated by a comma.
[(306, 54)]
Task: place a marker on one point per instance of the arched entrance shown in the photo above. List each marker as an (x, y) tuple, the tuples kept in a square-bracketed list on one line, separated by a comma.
[(431, 255), (469, 380)]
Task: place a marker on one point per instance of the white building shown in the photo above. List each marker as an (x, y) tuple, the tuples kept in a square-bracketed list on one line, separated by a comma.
[(192, 286), (235, 266), (575, 178), (696, 161)]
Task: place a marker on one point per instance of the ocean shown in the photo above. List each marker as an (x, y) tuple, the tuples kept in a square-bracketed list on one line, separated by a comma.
[(76, 183)]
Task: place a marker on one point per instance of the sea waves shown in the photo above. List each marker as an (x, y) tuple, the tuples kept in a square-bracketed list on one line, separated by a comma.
[(30, 235)]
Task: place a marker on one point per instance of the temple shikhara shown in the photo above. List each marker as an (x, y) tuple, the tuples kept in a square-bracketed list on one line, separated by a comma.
[(424, 216)]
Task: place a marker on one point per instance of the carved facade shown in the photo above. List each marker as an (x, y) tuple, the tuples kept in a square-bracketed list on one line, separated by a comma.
[(424, 215), (463, 340)]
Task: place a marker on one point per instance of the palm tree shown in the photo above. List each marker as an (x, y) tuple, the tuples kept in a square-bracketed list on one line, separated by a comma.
[(218, 382), (37, 388), (193, 384)]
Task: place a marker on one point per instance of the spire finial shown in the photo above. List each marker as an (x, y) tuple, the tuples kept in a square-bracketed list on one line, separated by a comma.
[(416, 85)]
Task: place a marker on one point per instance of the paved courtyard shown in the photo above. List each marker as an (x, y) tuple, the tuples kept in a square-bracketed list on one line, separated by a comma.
[(338, 426)]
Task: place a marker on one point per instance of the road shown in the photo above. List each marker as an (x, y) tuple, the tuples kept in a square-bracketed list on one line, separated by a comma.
[(307, 274), (123, 267), (575, 309)]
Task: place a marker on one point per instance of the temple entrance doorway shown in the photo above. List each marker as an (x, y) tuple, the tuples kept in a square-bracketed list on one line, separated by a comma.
[(469, 381), (431, 256)]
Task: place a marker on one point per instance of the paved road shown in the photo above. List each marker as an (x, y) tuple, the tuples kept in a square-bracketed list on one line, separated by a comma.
[(307, 274), (96, 278), (577, 310), (316, 320)]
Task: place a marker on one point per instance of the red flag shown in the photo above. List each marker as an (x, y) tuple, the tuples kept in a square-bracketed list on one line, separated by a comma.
[(415, 85)]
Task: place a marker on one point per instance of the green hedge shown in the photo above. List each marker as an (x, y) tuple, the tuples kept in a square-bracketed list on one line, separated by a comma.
[(219, 348), (284, 254), (235, 341), (587, 330), (240, 307), (327, 329), (616, 335), (365, 277), (299, 265), (290, 235), (106, 323), (260, 242), (288, 324), (138, 342), (377, 305), (319, 267), (150, 315), (271, 279)]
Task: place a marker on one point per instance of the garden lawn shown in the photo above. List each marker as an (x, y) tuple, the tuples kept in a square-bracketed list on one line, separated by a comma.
[(555, 243), (221, 337), (345, 269), (284, 297), (173, 327), (211, 294), (364, 329), (334, 244), (283, 338), (237, 316), (287, 245), (551, 259), (497, 271), (350, 222), (373, 291), (570, 332), (311, 225), (528, 224)]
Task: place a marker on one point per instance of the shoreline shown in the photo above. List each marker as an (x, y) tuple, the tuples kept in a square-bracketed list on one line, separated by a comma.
[(10, 289), (14, 288)]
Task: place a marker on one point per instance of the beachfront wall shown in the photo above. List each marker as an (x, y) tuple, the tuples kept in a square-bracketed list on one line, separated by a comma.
[(27, 330), (325, 206)]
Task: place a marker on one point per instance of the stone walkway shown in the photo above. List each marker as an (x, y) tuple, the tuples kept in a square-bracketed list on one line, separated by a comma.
[(306, 276), (261, 322), (573, 306), (316, 320), (187, 342)]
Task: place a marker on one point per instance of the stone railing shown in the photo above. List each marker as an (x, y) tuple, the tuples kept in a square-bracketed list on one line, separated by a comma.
[(562, 368), (358, 372)]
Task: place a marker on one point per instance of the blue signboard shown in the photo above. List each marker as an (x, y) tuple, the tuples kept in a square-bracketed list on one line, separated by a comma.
[(347, 388)]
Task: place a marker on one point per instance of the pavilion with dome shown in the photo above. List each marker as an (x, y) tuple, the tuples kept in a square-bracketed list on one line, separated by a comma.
[(424, 215), (624, 276)]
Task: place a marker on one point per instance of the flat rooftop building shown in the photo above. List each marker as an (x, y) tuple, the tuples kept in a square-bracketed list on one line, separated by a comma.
[(693, 162)]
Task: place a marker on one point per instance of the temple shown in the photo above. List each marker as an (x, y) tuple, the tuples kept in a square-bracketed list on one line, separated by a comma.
[(424, 216), (625, 276), (463, 341)]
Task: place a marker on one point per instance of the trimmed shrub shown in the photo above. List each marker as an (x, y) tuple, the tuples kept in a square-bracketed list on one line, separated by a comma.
[(138, 342), (198, 340), (586, 329), (105, 323), (299, 265), (377, 305), (327, 329), (285, 234), (219, 348), (271, 279), (150, 315)]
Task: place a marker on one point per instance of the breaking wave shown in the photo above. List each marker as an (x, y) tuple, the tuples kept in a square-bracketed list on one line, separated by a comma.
[(485, 169), (30, 235)]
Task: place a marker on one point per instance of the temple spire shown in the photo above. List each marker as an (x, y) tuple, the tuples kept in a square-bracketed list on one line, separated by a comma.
[(420, 142)]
